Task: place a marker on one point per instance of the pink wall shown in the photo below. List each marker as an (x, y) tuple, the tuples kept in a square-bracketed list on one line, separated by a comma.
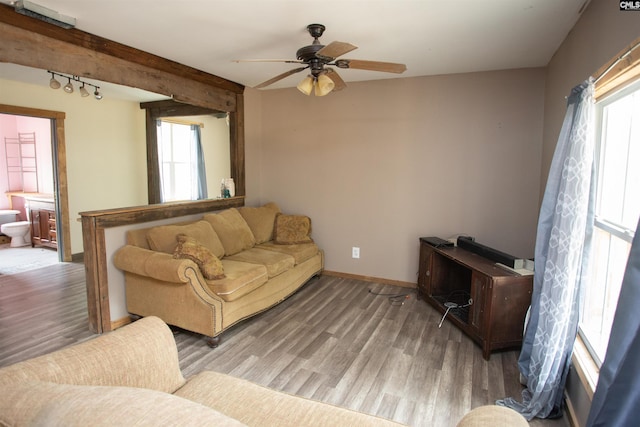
[(10, 126)]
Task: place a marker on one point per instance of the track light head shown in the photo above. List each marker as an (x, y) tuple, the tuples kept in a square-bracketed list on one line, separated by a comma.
[(53, 83), (68, 87), (83, 92)]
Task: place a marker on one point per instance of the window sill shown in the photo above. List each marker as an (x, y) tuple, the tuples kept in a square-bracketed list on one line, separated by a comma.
[(585, 366)]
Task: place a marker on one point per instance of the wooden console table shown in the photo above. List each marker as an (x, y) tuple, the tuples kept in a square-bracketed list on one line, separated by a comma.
[(491, 301)]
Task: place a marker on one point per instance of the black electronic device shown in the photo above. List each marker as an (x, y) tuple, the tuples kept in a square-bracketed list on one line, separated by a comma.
[(486, 252), (437, 242)]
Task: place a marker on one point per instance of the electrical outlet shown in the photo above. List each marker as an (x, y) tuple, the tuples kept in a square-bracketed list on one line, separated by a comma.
[(355, 252)]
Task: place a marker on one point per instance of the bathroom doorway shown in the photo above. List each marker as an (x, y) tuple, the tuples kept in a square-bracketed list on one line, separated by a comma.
[(52, 183)]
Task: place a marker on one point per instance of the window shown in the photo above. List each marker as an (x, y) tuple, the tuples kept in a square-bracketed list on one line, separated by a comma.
[(616, 213), (180, 167)]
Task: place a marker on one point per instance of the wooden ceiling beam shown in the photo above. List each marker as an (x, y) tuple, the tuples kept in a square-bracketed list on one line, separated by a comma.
[(34, 43)]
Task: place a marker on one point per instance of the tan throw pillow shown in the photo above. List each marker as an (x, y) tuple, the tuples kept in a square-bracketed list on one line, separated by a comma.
[(163, 237), (292, 229), (209, 264), (232, 229), (261, 220)]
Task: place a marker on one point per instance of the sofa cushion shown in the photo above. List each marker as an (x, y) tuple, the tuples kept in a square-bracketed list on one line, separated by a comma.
[(300, 252), (240, 279), (190, 248), (233, 230), (41, 403), (292, 229), (255, 405), (275, 262), (494, 416), (163, 237), (111, 359), (261, 220)]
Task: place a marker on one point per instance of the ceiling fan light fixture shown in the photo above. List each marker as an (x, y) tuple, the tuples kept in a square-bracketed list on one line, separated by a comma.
[(324, 85), (317, 57), (306, 85)]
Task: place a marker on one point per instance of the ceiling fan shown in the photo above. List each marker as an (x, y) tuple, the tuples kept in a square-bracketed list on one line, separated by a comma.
[(318, 58)]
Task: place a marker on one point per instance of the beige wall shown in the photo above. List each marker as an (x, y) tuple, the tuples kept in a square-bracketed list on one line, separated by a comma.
[(106, 160), (601, 33), (382, 163)]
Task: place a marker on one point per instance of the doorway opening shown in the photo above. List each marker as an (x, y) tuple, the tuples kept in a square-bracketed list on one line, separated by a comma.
[(37, 189)]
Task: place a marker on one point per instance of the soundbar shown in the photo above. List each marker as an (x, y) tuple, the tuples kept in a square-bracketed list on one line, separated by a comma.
[(485, 251)]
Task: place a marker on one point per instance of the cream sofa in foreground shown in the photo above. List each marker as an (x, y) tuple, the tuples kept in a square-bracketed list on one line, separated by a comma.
[(260, 257), (131, 376)]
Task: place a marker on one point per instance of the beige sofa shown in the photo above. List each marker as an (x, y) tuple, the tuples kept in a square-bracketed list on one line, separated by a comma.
[(254, 258), (132, 377)]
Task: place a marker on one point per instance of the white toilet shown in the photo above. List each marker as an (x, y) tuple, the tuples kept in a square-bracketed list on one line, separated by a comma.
[(18, 231)]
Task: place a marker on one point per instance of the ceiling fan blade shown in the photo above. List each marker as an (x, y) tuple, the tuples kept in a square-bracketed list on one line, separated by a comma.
[(280, 77), (287, 61), (337, 80), (358, 64), (335, 49)]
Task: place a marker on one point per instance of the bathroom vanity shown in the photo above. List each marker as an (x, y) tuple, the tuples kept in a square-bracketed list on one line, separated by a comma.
[(41, 212)]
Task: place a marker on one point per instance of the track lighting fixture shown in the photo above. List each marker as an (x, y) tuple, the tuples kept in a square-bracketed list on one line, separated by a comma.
[(68, 88), (53, 83), (83, 92)]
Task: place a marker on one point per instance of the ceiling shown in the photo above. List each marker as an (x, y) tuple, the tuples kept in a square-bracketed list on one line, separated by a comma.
[(431, 37)]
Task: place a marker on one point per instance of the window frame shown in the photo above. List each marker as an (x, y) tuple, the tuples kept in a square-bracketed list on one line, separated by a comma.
[(615, 230)]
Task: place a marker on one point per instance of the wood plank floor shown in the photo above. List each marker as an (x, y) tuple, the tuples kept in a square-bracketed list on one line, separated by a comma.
[(334, 341)]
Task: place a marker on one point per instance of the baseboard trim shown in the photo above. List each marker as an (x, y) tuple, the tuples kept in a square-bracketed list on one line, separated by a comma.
[(118, 323), (370, 279)]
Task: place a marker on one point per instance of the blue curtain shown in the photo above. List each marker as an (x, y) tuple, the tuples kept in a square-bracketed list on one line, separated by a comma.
[(563, 242), (201, 173), (616, 401)]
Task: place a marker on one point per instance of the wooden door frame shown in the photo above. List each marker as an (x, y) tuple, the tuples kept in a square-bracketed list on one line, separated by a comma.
[(59, 159)]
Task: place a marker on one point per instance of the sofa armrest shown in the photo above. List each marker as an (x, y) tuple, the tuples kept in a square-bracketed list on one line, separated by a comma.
[(142, 354), (157, 265)]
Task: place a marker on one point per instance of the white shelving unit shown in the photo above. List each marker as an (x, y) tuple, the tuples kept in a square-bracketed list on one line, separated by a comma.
[(22, 165)]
